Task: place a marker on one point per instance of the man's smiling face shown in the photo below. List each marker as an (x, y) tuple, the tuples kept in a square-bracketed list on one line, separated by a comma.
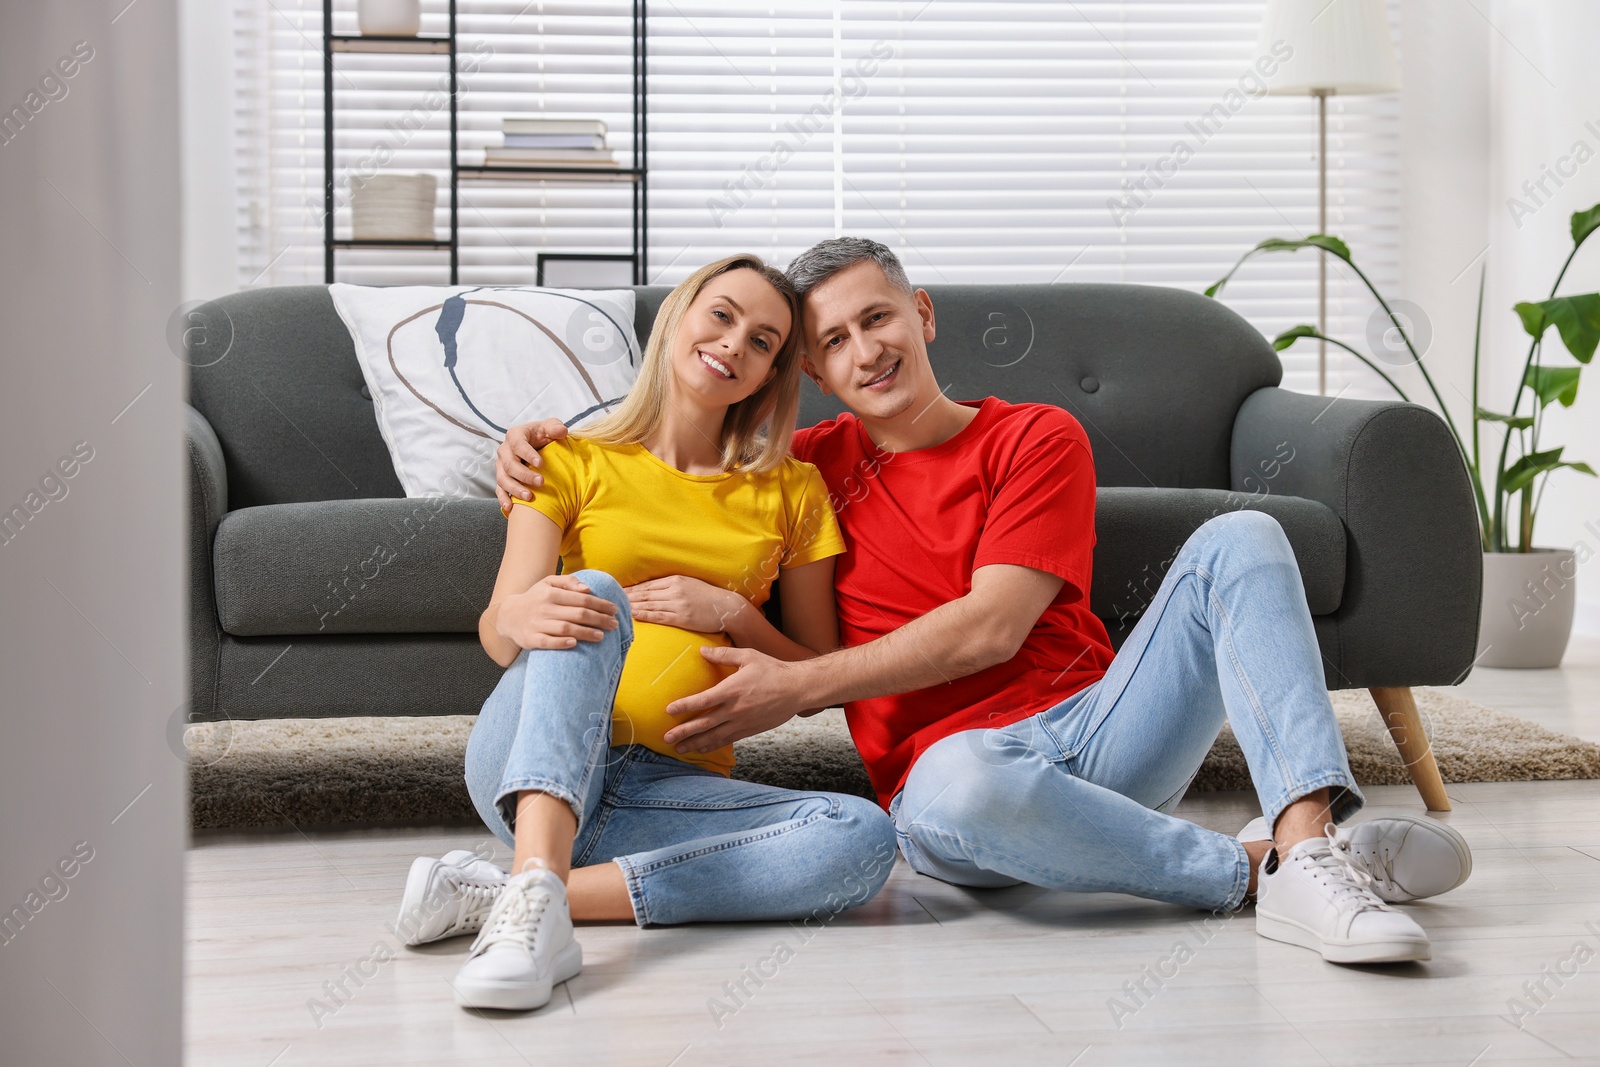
[(866, 340)]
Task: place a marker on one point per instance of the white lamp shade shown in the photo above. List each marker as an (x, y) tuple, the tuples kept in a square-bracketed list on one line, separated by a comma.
[(1338, 46)]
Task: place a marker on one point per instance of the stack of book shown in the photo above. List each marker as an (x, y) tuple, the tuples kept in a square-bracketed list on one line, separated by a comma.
[(536, 142)]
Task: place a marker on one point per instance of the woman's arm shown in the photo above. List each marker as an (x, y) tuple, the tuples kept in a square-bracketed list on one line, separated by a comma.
[(532, 606), (810, 626), (809, 615)]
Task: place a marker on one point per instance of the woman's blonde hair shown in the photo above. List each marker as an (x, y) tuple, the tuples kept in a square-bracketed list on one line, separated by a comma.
[(757, 430)]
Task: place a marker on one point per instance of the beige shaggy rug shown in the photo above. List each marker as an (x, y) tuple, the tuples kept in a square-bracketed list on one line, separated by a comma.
[(408, 769)]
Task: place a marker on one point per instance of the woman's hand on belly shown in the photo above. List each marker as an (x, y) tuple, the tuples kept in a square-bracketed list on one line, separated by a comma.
[(686, 603)]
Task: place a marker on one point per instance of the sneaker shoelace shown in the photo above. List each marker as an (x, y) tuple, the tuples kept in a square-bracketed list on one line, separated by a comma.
[(514, 919), (477, 898), (1379, 867), (1350, 882)]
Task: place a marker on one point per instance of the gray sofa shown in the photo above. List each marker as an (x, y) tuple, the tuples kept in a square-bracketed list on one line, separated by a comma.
[(317, 589)]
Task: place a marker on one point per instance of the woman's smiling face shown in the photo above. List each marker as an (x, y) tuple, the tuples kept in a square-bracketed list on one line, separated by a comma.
[(729, 338)]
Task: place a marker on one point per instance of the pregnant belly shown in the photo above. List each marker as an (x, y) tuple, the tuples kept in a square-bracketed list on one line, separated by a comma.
[(664, 663)]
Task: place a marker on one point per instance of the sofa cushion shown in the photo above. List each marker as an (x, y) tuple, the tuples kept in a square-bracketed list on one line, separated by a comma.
[(449, 369), (352, 674), (425, 565), (287, 399), (428, 565), (1138, 531)]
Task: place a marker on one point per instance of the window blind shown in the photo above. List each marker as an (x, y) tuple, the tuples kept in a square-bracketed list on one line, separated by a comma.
[(994, 141)]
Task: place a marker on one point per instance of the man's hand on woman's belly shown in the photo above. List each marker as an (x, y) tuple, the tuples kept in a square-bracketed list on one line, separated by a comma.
[(664, 663)]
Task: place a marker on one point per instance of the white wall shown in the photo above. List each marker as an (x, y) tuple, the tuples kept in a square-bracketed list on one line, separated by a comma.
[(1444, 147), (1494, 93), (1546, 90), (91, 581), (205, 76)]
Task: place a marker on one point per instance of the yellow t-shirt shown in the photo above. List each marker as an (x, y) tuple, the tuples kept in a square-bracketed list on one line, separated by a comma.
[(623, 511)]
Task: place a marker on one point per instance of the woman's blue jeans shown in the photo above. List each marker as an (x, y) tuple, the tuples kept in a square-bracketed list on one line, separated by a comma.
[(693, 845), (1075, 797)]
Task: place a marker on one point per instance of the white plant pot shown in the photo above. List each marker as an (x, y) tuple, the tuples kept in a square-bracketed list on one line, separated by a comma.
[(389, 18), (1528, 598)]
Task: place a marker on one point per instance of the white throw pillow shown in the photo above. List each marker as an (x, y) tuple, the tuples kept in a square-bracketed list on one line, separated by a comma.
[(450, 368)]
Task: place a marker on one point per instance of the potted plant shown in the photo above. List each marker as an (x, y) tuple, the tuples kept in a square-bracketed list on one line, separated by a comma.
[(1528, 594)]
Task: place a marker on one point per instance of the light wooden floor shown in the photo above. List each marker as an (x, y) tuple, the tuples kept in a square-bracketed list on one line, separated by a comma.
[(928, 973)]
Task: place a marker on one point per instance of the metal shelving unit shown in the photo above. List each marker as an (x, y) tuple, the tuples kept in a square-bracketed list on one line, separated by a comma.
[(333, 43)]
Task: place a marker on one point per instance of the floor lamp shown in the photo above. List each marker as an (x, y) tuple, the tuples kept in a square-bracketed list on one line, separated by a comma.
[(1342, 47)]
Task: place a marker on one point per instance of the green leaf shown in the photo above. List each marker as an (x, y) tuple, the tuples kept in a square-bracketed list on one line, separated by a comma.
[(1584, 223), (1576, 318), (1521, 474), (1582, 468), (1326, 242), (1329, 243), (1533, 321), (1516, 422), (1317, 240), (1289, 337), (1554, 383)]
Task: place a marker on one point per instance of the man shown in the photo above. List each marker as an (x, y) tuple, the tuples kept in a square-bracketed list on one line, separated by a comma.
[(1005, 738)]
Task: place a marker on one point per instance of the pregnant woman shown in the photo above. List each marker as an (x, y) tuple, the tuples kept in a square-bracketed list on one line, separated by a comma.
[(686, 496)]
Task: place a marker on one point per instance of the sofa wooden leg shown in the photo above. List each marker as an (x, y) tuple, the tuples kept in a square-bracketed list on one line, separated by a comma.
[(1399, 710)]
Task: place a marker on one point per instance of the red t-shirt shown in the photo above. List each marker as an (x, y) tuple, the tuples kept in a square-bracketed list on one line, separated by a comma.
[(1015, 486)]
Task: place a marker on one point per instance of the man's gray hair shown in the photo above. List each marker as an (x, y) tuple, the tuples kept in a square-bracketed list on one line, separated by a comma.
[(825, 259)]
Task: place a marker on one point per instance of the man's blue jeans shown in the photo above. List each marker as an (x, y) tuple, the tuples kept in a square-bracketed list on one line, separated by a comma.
[(1075, 797), (692, 845)]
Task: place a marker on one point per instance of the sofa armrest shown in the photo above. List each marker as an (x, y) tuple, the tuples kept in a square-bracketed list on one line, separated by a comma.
[(208, 502), (1414, 568)]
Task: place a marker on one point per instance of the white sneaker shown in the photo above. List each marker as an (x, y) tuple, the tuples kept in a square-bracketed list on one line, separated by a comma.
[(525, 949), (1407, 857), (1315, 898), (447, 897)]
